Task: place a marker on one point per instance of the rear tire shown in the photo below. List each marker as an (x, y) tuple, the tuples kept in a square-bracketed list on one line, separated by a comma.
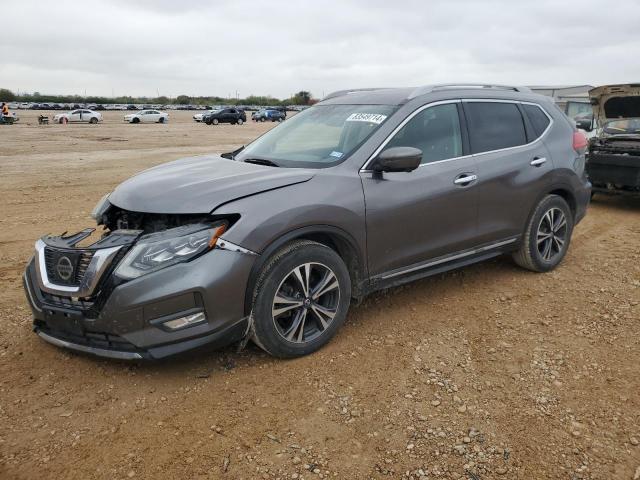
[(239, 122), (161, 120), (310, 310), (547, 236)]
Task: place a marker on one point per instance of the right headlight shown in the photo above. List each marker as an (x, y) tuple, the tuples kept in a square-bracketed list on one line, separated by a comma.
[(157, 251)]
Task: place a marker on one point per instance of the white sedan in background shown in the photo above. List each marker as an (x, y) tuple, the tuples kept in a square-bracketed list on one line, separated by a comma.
[(78, 116), (198, 116), (147, 116)]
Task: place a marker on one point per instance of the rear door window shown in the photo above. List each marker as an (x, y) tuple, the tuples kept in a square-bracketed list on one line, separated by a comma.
[(538, 119), (494, 126)]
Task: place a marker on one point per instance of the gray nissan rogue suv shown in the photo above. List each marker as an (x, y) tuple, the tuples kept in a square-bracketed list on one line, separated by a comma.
[(366, 190)]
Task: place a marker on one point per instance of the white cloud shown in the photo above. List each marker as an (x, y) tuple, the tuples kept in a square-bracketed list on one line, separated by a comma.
[(279, 47)]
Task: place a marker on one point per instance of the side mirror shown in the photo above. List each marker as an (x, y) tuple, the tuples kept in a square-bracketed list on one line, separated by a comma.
[(585, 124), (398, 159)]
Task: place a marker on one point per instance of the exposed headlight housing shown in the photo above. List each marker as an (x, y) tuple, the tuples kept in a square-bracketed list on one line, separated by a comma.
[(160, 250), (101, 207)]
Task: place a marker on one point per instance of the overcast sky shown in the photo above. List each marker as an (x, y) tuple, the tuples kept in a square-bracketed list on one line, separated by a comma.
[(198, 47)]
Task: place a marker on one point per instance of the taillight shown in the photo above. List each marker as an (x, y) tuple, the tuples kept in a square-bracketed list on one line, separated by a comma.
[(579, 141)]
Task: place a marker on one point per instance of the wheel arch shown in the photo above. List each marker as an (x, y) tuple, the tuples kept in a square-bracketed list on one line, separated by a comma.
[(333, 237), (566, 193), (562, 190)]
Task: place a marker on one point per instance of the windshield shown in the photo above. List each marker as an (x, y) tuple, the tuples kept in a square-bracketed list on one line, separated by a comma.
[(318, 137), (622, 127)]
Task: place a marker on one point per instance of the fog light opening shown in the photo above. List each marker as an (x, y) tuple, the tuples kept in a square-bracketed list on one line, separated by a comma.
[(186, 321)]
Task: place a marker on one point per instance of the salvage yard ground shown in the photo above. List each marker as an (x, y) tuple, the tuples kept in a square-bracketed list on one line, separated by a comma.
[(486, 372)]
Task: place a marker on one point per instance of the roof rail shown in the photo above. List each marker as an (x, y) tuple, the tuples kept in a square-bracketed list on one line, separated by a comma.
[(449, 86), (340, 93)]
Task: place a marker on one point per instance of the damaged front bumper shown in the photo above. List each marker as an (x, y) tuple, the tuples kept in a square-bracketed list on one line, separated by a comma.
[(78, 303)]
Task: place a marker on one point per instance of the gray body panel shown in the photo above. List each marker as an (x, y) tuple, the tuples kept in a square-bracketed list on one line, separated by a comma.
[(417, 216), (199, 185)]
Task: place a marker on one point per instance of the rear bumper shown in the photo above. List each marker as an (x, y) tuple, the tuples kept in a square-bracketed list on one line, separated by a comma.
[(127, 320)]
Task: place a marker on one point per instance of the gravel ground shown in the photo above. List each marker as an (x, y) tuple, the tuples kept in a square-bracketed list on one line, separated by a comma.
[(485, 372)]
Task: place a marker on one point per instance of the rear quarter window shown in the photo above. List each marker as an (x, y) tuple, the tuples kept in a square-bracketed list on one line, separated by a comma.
[(538, 119), (494, 125)]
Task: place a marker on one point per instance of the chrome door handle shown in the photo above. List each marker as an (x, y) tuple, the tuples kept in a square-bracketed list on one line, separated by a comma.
[(536, 162), (466, 179)]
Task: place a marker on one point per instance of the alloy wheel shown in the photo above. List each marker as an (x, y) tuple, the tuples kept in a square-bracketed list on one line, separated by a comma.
[(552, 234), (306, 302)]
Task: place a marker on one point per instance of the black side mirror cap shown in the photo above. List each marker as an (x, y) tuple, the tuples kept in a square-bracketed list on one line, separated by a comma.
[(398, 159)]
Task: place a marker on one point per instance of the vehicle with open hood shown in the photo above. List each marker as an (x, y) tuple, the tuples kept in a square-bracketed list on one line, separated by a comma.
[(613, 161), (366, 190)]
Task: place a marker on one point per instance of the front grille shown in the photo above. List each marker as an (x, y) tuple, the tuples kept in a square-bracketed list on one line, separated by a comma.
[(89, 306), (77, 260), (102, 340), (67, 302)]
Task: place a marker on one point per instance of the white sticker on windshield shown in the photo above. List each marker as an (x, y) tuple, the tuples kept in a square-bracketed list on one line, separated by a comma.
[(335, 154), (367, 117)]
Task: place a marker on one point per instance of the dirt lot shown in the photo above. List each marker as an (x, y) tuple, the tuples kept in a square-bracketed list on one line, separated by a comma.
[(487, 372)]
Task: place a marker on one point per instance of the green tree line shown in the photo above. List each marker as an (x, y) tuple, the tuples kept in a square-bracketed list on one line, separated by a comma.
[(301, 98)]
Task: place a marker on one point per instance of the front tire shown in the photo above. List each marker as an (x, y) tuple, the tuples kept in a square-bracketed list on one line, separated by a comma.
[(93, 120), (547, 236), (135, 120), (215, 121), (300, 300)]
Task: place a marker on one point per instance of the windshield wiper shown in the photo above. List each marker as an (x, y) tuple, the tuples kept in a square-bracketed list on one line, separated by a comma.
[(232, 155), (261, 161)]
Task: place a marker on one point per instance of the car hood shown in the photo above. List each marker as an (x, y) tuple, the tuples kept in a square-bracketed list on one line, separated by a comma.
[(615, 101), (200, 185)]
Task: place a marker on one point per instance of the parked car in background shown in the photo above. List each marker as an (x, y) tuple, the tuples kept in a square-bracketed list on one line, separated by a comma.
[(80, 115), (197, 117), (270, 115), (147, 116), (613, 161), (225, 115), (363, 191)]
